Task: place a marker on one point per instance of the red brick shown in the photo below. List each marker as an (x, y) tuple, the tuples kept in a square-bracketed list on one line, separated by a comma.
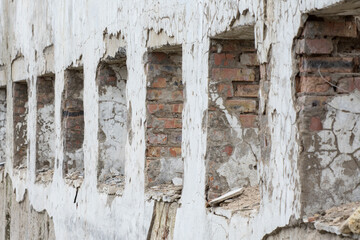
[(248, 121), (346, 85), (333, 29), (153, 152), (219, 58), (314, 46), (177, 108), (241, 105), (157, 56), (152, 108), (177, 95), (228, 150), (315, 124), (246, 90), (165, 123), (314, 84), (226, 89), (234, 74), (159, 138), (223, 59), (153, 94), (249, 59), (159, 83), (175, 151), (327, 64)]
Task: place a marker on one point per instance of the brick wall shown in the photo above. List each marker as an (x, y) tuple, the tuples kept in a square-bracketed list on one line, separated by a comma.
[(233, 146), (20, 93), (73, 122), (164, 101), (2, 125), (328, 53), (45, 133), (111, 80)]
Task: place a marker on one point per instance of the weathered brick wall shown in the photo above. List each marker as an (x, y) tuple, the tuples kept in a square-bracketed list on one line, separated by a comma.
[(45, 124), (73, 122), (233, 143), (164, 107), (329, 116), (2, 125), (111, 79), (20, 93)]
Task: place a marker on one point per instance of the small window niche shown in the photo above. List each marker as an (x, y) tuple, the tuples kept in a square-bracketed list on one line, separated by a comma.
[(45, 128), (3, 111), (111, 81), (233, 144), (73, 126), (20, 115), (164, 101)]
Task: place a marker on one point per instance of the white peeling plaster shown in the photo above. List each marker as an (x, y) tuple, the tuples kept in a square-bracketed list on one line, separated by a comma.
[(76, 28)]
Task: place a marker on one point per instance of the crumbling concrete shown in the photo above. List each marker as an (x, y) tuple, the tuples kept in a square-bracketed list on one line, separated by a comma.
[(328, 100), (73, 124), (233, 142), (112, 125), (45, 126)]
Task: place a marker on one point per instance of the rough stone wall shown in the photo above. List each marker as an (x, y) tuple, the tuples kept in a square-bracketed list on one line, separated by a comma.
[(329, 118), (20, 124), (164, 106), (233, 143), (2, 125), (111, 79), (73, 122), (45, 123)]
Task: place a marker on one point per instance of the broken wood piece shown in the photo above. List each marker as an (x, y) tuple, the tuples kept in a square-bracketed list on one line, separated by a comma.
[(231, 194)]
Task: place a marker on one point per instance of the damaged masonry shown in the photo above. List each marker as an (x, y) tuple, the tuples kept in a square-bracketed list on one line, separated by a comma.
[(180, 119)]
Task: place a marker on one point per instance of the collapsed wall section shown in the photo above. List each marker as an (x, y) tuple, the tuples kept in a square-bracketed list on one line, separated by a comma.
[(20, 115), (73, 124), (328, 99), (45, 132), (3, 134), (112, 133), (233, 148), (164, 101)]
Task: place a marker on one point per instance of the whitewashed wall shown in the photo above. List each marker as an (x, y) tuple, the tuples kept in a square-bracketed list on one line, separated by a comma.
[(76, 30)]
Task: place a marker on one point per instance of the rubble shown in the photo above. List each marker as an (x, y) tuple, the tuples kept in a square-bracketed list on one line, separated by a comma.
[(74, 179), (246, 204), (113, 183), (335, 220), (164, 192), (44, 175)]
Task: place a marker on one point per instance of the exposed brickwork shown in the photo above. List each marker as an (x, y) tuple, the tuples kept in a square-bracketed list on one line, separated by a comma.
[(328, 53), (3, 110), (20, 111), (45, 147), (73, 121), (111, 80), (164, 124), (234, 78)]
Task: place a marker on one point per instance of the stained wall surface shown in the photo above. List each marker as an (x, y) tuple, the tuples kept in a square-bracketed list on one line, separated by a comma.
[(298, 157)]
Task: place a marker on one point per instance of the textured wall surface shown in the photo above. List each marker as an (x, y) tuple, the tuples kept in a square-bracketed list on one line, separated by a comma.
[(233, 143), (328, 96), (60, 38), (164, 107)]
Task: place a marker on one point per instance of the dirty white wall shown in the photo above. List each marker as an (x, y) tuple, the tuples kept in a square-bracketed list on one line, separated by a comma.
[(76, 29)]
